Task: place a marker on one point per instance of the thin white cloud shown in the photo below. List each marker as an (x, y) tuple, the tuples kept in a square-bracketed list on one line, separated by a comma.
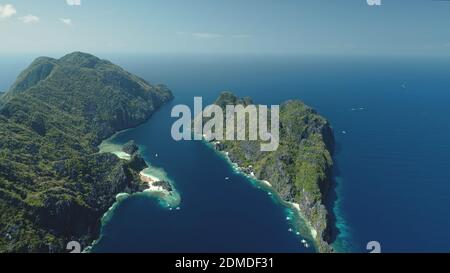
[(211, 35), (29, 19), (66, 21), (73, 2), (242, 36), (206, 35), (7, 11), (201, 35)]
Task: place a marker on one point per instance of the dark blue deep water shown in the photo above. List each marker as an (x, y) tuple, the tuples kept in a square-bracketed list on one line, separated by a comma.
[(391, 121)]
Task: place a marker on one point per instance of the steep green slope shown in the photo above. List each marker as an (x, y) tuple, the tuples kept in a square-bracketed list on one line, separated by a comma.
[(300, 170), (54, 186)]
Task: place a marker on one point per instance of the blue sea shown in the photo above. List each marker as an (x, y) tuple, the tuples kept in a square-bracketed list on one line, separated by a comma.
[(391, 121)]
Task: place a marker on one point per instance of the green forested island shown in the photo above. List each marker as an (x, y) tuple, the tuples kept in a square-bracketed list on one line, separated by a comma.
[(54, 185), (300, 170)]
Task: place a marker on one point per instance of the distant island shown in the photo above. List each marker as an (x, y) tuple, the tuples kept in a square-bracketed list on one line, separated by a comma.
[(300, 170), (54, 184)]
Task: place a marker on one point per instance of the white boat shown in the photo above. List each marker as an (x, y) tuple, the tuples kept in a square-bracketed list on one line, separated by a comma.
[(306, 245), (303, 241)]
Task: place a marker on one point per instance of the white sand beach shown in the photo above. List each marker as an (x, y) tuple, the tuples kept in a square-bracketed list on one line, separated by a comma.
[(108, 147), (299, 211), (150, 181)]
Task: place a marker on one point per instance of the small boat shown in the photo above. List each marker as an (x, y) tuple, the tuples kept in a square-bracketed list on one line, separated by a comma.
[(303, 241), (178, 208), (290, 230), (306, 245), (156, 155), (404, 86), (298, 233), (344, 132), (288, 218), (227, 178)]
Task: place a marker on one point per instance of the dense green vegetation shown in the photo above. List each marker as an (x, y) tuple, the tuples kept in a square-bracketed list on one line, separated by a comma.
[(54, 186), (300, 169)]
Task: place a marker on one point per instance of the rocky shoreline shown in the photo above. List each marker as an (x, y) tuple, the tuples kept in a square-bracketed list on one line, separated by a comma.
[(320, 238), (147, 183)]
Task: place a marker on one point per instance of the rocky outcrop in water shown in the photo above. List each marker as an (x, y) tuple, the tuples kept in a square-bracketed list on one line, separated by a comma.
[(130, 147), (165, 185)]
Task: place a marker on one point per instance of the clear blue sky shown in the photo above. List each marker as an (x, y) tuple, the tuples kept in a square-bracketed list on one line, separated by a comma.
[(225, 26)]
